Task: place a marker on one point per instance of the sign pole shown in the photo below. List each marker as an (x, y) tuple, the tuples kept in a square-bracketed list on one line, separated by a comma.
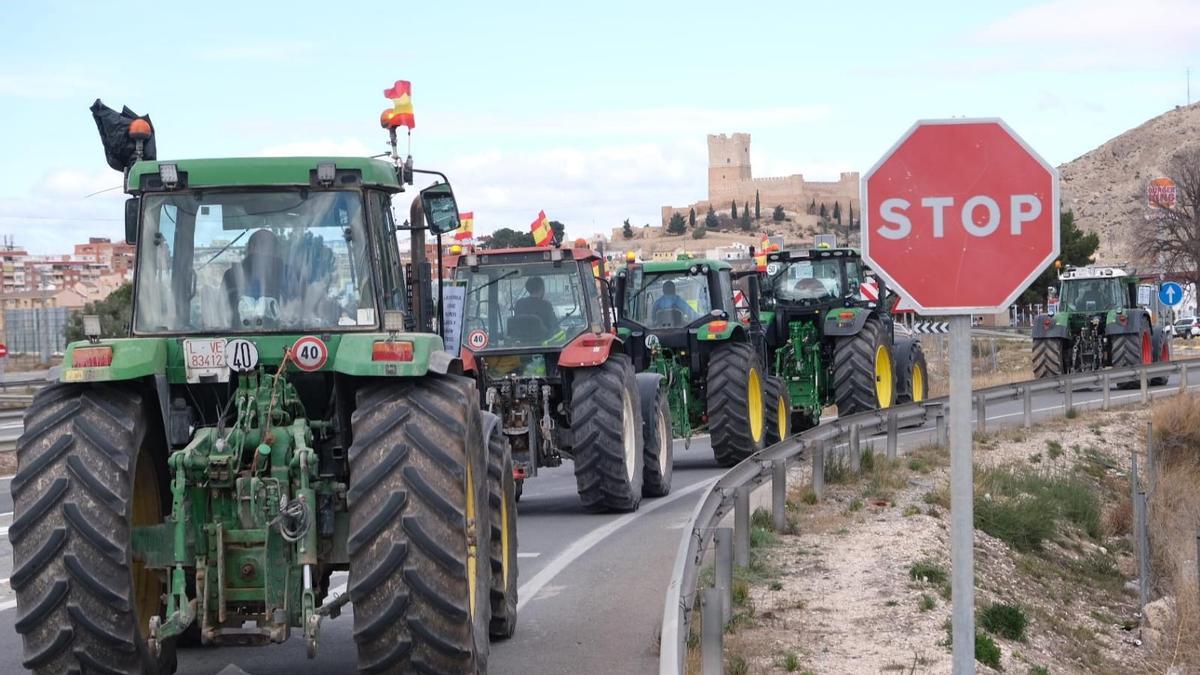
[(962, 521)]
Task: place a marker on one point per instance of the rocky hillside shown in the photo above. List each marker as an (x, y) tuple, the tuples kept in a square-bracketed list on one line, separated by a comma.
[(1107, 186)]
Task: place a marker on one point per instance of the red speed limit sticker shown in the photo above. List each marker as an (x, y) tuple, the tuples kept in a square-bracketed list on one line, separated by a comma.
[(477, 339), (309, 353)]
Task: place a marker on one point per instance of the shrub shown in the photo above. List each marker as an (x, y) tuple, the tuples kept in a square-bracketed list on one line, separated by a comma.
[(1021, 507), (1176, 430), (928, 571), (761, 518), (1054, 449), (790, 662), (1007, 621), (927, 602), (986, 651)]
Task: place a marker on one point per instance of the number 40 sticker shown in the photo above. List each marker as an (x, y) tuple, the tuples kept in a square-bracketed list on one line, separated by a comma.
[(310, 353)]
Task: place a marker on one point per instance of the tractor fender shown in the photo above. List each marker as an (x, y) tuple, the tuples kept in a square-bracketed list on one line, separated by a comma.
[(443, 362), (467, 357), (837, 325), (1136, 322), (131, 359), (588, 349), (1054, 330)]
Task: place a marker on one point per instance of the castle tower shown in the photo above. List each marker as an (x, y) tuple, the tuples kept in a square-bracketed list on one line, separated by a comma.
[(728, 163)]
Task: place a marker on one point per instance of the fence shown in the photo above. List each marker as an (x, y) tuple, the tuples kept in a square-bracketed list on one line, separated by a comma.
[(732, 490), (36, 331)]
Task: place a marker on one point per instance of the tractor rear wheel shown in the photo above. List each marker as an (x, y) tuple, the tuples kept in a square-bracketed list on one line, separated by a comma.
[(863, 373), (1162, 354), (418, 545), (502, 505), (736, 420), (659, 445), (606, 422), (912, 381), (778, 401), (1131, 349), (85, 479), (1049, 357)]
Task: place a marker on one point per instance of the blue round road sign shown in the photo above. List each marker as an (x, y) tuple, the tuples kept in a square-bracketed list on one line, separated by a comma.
[(1170, 293)]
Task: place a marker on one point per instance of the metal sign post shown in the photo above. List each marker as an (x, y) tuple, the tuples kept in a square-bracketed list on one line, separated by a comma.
[(962, 507)]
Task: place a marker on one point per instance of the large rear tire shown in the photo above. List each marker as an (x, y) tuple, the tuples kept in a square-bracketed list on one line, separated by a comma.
[(778, 402), (606, 423), (736, 414), (85, 478), (912, 381), (864, 376), (418, 545), (1131, 349), (502, 505), (659, 445), (1048, 357)]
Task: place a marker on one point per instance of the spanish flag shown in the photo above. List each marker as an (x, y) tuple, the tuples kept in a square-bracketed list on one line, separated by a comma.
[(543, 235), (401, 114), (466, 225)]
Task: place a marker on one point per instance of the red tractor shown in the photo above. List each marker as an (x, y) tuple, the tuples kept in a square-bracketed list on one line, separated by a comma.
[(537, 334)]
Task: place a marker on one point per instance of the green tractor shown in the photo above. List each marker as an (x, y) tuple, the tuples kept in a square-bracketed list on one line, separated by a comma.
[(832, 342), (680, 322), (1097, 323), (539, 340), (277, 414)]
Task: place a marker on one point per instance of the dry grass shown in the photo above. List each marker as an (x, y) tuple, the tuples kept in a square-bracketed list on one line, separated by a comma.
[(1013, 362), (1174, 516)]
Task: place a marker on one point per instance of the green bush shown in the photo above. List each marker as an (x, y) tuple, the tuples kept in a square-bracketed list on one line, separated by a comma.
[(927, 602), (986, 651), (1007, 621), (1021, 507), (1054, 448), (762, 518), (928, 571)]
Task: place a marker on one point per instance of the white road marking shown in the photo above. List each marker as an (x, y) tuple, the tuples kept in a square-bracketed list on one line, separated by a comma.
[(529, 590), (528, 555)]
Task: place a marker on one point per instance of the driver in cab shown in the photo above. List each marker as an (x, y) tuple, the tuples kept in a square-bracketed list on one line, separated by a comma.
[(670, 301), (535, 304)]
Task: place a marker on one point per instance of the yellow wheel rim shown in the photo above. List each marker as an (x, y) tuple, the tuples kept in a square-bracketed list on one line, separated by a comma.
[(147, 510), (782, 420), (918, 383), (755, 402), (883, 376), (472, 549), (504, 539)]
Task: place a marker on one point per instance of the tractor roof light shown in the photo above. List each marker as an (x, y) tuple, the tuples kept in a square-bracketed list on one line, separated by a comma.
[(456, 249), (139, 130), (91, 328), (556, 254), (326, 171), (169, 175), (472, 260), (630, 256), (393, 320)]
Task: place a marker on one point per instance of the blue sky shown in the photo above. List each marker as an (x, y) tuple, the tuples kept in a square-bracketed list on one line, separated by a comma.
[(592, 111)]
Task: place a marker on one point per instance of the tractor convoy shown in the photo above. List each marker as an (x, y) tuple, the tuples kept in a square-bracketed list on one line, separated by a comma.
[(1098, 323), (284, 408)]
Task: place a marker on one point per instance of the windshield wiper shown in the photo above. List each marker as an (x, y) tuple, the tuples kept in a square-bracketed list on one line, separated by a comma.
[(218, 253)]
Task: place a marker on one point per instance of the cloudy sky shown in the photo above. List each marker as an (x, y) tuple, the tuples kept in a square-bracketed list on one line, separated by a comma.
[(595, 112)]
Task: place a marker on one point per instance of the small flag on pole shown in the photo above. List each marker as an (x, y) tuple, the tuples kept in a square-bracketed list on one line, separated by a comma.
[(466, 225), (401, 114), (543, 235)]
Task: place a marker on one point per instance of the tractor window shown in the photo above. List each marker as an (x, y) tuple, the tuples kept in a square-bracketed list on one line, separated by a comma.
[(670, 299), (525, 304), (807, 280), (1091, 295), (389, 251), (254, 261)]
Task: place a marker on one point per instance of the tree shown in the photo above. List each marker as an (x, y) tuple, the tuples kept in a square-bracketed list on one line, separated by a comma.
[(507, 237), (837, 212), (757, 211), (677, 224), (745, 222), (560, 231), (733, 209), (699, 233), (1171, 237), (822, 212), (1075, 248), (627, 230), (115, 312), (692, 217), (778, 215), (812, 207), (849, 214), (711, 221)]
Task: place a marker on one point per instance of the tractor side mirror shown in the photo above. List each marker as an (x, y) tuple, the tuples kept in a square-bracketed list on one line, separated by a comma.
[(441, 210), (133, 207), (619, 292)]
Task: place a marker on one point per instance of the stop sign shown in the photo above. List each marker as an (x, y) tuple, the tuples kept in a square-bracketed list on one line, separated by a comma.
[(3, 350), (960, 216)]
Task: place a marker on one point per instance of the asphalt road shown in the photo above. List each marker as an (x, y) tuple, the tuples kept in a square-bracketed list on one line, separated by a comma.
[(591, 588)]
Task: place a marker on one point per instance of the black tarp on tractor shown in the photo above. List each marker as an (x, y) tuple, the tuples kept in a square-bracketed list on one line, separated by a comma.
[(119, 148)]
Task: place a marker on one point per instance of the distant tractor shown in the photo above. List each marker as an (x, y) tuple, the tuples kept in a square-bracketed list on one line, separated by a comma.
[(831, 343), (538, 338), (1098, 323), (682, 323), (280, 412)]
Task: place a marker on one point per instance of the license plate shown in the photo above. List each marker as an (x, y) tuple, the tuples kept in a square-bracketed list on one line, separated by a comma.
[(205, 358)]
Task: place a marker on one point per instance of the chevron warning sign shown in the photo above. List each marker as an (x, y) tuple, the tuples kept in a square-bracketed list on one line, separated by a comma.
[(930, 327)]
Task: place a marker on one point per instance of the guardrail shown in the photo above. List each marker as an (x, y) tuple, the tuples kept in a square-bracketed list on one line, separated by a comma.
[(732, 490)]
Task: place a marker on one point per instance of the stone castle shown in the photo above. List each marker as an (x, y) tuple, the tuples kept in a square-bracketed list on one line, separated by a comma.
[(730, 179)]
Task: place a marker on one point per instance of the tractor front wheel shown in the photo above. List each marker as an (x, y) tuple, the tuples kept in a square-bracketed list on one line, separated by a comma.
[(778, 410), (85, 479), (606, 422), (912, 373), (419, 540), (502, 505), (863, 373), (659, 445), (736, 414)]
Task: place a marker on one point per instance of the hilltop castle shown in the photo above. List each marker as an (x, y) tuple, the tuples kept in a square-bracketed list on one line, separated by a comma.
[(730, 179)]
